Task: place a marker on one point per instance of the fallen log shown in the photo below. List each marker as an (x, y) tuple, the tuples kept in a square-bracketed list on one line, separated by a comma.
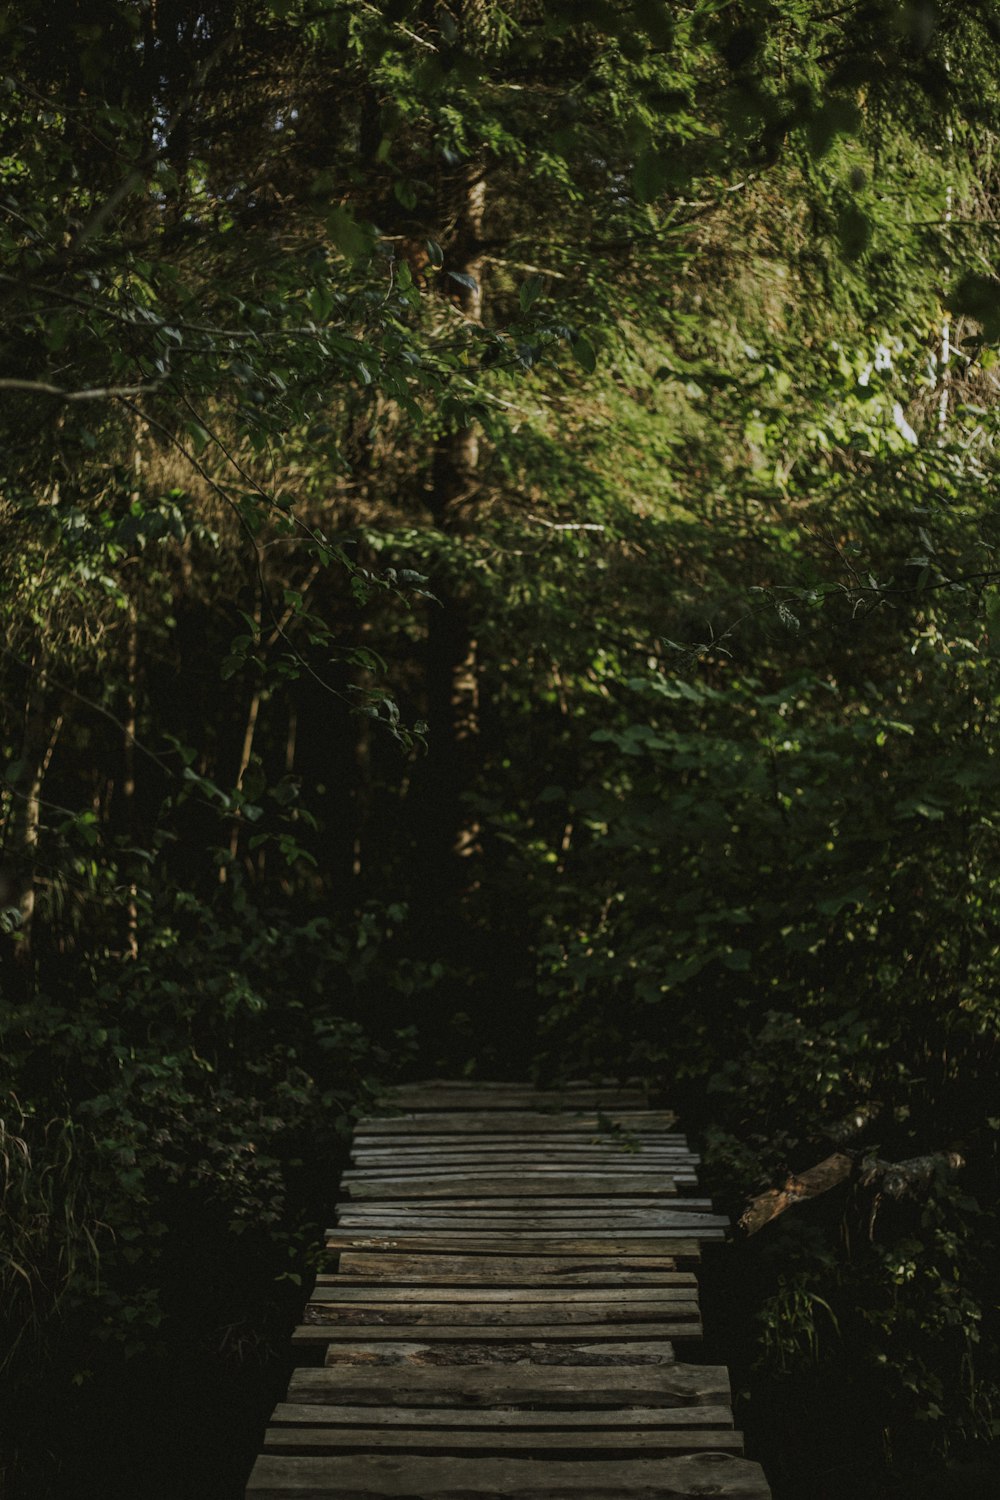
[(895, 1179)]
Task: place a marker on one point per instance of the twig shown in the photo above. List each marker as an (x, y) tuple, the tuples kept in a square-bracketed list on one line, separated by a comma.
[(94, 393), (567, 525)]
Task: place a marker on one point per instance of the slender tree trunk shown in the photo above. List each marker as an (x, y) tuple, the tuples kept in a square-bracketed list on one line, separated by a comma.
[(128, 781), (452, 677), (945, 354), (132, 710), (41, 734)]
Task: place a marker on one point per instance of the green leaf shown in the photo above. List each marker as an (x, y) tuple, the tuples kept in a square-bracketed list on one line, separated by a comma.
[(585, 354), (320, 301), (353, 240), (530, 291)]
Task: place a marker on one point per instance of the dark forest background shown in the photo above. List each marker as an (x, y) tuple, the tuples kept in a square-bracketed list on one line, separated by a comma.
[(499, 578)]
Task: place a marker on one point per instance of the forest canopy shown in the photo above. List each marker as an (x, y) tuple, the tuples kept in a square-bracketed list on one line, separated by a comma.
[(499, 577)]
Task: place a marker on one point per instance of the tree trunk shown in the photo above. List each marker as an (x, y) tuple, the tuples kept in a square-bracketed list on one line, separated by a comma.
[(37, 748), (447, 835)]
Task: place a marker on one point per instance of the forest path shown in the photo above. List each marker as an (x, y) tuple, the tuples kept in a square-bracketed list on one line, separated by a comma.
[(513, 1275)]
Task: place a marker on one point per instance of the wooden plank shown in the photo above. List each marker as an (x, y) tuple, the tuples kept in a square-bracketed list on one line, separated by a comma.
[(512, 1280), (517, 1083), (504, 1267), (504, 1088), (522, 1155), (400, 1217), (508, 1165), (510, 1150), (425, 1353), (451, 1241), (504, 1163), (494, 1209), (484, 1331), (366, 1477), (337, 1289), (502, 1130), (521, 1122), (503, 1316), (451, 1381), (502, 1418), (544, 1148), (552, 1205), (619, 1168), (446, 1122), (363, 1188), (546, 1235), (331, 1316), (415, 1103), (417, 1097), (487, 1443)]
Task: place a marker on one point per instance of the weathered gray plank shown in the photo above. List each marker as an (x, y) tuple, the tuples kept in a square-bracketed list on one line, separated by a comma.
[(488, 1443), (608, 1166), (546, 1148), (338, 1289), (512, 1150), (510, 1166), (395, 1218), (498, 1280), (577, 1131), (484, 1331), (502, 1318), (418, 1097), (519, 1085), (504, 1267), (497, 1122), (362, 1188), (617, 1129), (499, 1315), (366, 1477), (423, 1353), (552, 1204), (679, 1244), (438, 1378), (501, 1164), (502, 1418), (567, 1153)]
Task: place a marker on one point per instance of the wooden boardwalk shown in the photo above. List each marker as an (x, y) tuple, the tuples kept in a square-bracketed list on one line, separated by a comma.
[(513, 1276)]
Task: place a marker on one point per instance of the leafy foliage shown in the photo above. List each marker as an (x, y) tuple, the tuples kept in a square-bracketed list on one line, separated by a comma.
[(499, 558)]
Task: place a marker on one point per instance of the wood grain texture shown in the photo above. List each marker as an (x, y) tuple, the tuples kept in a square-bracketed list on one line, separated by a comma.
[(553, 1155), (549, 1205), (498, 1316), (680, 1244), (499, 1122), (512, 1188), (495, 1442), (338, 1289), (561, 1387), (485, 1330), (405, 1477), (475, 1096), (502, 1418), (468, 1278), (506, 1291), (621, 1222), (415, 1349), (502, 1267)]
